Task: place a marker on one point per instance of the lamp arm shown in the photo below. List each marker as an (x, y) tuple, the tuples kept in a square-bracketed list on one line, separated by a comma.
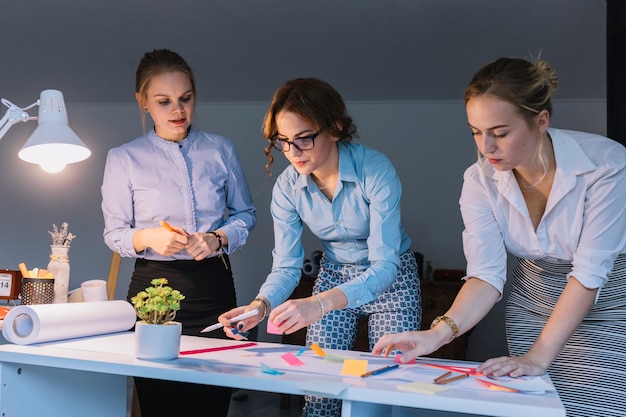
[(14, 115)]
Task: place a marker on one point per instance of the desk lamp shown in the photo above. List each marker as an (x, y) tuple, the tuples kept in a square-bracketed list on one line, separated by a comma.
[(53, 144)]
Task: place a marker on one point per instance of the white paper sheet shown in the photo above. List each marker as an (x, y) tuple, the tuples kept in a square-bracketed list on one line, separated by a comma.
[(38, 323)]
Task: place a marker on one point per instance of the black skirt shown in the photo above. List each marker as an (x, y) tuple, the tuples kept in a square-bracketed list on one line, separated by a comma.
[(209, 291), (207, 285)]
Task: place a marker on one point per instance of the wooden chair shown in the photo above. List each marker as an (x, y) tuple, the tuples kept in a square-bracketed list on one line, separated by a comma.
[(114, 271)]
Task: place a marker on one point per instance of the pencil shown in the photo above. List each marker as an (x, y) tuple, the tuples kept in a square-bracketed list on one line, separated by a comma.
[(454, 378), (23, 270), (440, 377)]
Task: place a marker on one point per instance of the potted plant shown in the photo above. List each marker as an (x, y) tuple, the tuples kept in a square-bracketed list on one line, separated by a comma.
[(157, 335)]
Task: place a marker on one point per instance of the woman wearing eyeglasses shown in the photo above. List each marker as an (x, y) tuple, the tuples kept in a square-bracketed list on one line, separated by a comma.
[(348, 195)]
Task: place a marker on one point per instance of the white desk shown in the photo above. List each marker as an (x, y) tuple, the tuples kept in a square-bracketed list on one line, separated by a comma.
[(89, 377)]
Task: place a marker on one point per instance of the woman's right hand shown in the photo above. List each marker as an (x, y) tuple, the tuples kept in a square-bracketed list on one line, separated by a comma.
[(242, 325), (159, 239), (412, 344)]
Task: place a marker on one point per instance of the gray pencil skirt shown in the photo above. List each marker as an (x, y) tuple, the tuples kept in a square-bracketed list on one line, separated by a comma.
[(590, 372)]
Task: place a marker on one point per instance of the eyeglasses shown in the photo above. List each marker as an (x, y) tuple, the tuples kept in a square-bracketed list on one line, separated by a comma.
[(303, 143)]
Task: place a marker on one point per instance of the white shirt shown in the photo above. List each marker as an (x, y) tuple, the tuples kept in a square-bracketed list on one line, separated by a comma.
[(584, 222)]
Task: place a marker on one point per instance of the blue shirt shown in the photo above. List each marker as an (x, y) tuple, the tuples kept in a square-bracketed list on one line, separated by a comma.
[(361, 226), (197, 183)]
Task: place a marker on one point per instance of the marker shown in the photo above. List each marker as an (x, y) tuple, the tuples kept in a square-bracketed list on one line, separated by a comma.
[(380, 370), (216, 326), (171, 229)]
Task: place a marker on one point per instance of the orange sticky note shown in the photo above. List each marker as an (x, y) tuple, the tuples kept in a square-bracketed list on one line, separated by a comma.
[(355, 367), (317, 349)]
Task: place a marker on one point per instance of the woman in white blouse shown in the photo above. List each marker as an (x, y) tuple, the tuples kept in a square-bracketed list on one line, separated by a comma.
[(556, 200)]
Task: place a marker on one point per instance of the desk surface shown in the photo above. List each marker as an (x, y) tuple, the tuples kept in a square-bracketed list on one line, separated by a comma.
[(241, 368)]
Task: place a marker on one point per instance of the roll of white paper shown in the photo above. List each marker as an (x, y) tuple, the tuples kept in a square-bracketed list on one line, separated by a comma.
[(39, 323)]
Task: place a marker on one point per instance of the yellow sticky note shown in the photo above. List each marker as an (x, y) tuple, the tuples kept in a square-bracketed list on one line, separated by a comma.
[(422, 388), (317, 349), (356, 367)]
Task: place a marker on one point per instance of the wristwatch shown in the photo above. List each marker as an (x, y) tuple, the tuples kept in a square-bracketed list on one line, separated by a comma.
[(450, 323)]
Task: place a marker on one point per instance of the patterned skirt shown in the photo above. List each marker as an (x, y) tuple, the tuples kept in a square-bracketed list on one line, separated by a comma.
[(590, 372)]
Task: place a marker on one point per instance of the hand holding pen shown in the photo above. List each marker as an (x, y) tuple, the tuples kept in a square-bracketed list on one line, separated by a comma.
[(233, 322), (171, 228)]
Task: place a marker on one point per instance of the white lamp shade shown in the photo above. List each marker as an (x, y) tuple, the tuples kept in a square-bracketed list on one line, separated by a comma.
[(53, 144)]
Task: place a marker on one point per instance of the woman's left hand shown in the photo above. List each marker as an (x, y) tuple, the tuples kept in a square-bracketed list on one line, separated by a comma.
[(198, 245), (513, 366), (293, 315)]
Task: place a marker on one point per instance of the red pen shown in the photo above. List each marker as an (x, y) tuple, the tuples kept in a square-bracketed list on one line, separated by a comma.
[(459, 369)]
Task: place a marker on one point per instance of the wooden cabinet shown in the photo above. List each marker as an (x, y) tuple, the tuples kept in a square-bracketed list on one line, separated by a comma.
[(437, 297)]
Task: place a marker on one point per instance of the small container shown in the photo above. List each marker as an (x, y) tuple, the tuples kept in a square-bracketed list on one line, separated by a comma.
[(37, 291)]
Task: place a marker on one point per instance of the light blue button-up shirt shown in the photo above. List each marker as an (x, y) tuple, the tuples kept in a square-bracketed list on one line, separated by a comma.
[(361, 226), (197, 183)]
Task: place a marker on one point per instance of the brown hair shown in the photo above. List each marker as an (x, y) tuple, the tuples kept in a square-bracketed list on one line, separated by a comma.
[(316, 102), (154, 63)]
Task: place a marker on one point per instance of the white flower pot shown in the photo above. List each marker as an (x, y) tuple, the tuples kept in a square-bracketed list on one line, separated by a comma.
[(157, 341)]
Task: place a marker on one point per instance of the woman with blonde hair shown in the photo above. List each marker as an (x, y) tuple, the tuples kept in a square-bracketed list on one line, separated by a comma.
[(555, 199)]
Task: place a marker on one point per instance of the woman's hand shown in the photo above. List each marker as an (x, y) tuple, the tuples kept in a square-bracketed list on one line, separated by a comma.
[(160, 239), (202, 245), (241, 325), (412, 344), (513, 366), (293, 315)]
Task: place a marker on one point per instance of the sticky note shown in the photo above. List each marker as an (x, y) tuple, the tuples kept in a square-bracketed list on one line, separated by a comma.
[(396, 359), (291, 359), (272, 328), (269, 370), (317, 349), (356, 367), (331, 357), (422, 388)]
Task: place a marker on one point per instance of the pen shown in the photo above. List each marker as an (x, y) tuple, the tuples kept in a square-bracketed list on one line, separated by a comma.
[(380, 370), (234, 319)]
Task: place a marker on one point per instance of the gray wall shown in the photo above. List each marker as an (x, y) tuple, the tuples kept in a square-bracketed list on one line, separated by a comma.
[(428, 142)]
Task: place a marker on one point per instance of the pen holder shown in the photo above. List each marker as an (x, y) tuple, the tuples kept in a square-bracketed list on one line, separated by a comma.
[(37, 291)]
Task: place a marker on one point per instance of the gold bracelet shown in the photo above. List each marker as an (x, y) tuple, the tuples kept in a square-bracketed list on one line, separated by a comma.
[(450, 323)]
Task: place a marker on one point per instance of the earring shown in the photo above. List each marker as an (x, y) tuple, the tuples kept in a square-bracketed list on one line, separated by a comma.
[(146, 110)]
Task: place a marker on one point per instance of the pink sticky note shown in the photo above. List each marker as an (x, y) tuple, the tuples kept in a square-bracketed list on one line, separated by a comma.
[(291, 359), (396, 359), (272, 329)]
